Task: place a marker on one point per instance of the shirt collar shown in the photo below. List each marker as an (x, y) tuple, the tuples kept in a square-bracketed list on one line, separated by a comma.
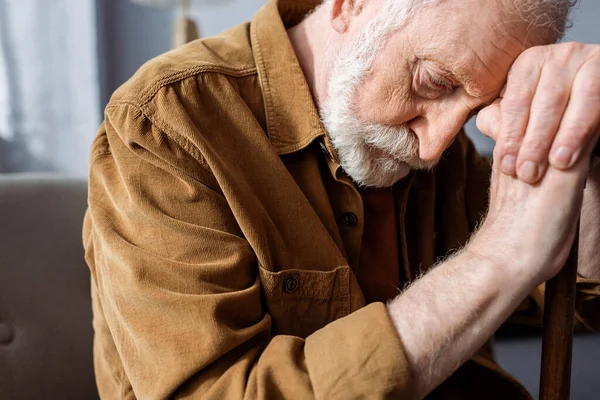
[(292, 118)]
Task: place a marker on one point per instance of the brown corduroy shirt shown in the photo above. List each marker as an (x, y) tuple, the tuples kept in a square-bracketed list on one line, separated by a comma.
[(224, 240)]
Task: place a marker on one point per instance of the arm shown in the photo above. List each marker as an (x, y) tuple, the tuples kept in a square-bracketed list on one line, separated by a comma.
[(448, 314)]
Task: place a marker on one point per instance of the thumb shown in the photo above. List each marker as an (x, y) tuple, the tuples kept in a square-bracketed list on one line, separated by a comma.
[(488, 120)]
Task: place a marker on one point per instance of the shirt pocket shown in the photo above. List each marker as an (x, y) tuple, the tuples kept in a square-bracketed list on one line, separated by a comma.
[(301, 302)]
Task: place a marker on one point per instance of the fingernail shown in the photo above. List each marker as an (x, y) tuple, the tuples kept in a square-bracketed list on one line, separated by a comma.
[(508, 164), (529, 171), (563, 157)]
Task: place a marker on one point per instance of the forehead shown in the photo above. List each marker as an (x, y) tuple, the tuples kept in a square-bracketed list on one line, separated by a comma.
[(474, 43)]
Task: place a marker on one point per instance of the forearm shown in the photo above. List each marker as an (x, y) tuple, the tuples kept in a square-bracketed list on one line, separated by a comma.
[(448, 314)]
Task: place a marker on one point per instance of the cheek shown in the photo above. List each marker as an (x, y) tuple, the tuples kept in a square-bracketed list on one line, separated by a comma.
[(381, 103)]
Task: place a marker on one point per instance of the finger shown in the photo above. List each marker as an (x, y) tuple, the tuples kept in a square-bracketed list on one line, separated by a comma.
[(488, 119), (578, 132), (545, 115), (520, 90)]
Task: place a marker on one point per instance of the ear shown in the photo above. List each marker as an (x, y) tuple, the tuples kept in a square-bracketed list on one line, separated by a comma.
[(342, 12)]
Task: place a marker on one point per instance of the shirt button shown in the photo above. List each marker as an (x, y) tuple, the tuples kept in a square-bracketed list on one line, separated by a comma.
[(290, 285), (350, 219)]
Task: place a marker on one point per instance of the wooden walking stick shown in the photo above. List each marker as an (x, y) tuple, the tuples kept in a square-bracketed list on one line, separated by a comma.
[(559, 314), (557, 345)]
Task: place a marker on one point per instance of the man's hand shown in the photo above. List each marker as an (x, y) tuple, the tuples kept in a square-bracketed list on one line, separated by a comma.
[(549, 114), (531, 227), (449, 313), (549, 111)]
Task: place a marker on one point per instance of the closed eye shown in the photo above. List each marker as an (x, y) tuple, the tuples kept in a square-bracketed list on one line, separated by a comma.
[(440, 82), (430, 82), (434, 84)]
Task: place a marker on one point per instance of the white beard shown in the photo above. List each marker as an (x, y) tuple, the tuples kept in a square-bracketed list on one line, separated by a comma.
[(373, 155)]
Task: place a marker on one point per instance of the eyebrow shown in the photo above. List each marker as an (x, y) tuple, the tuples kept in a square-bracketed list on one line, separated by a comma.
[(458, 74)]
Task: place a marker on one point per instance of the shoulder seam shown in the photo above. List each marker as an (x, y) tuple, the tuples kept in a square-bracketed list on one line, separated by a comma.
[(149, 93), (180, 140)]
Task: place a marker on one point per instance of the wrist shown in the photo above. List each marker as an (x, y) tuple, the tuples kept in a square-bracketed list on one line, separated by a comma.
[(507, 266), (449, 313)]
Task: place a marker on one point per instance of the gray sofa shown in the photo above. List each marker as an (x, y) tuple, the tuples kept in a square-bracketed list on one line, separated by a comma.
[(45, 311)]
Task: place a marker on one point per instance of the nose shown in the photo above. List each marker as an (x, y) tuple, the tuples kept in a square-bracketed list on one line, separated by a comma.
[(437, 129)]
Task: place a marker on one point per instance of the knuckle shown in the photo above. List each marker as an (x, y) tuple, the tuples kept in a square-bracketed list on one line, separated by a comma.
[(516, 103), (590, 73), (577, 133), (532, 58), (526, 65), (509, 143), (567, 49), (510, 136), (532, 53), (595, 52), (535, 148), (511, 133), (552, 98)]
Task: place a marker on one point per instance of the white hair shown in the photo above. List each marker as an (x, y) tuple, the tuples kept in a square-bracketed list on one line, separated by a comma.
[(548, 18), (552, 16)]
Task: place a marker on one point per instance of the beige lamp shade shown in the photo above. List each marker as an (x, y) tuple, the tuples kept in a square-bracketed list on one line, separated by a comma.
[(185, 29), (175, 3)]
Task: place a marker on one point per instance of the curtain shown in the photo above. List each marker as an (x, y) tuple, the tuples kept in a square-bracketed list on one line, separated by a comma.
[(49, 89)]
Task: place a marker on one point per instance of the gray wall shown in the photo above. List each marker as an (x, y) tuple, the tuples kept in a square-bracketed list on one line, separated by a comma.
[(131, 35), (586, 19), (128, 36), (217, 18)]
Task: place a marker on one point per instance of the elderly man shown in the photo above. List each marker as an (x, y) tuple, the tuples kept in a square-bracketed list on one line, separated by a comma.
[(259, 200)]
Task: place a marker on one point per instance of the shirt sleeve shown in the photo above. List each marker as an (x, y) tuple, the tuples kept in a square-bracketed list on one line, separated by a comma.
[(178, 310), (531, 310)]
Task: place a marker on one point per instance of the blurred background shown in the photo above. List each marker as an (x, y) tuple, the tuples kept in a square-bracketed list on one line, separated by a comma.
[(60, 60)]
